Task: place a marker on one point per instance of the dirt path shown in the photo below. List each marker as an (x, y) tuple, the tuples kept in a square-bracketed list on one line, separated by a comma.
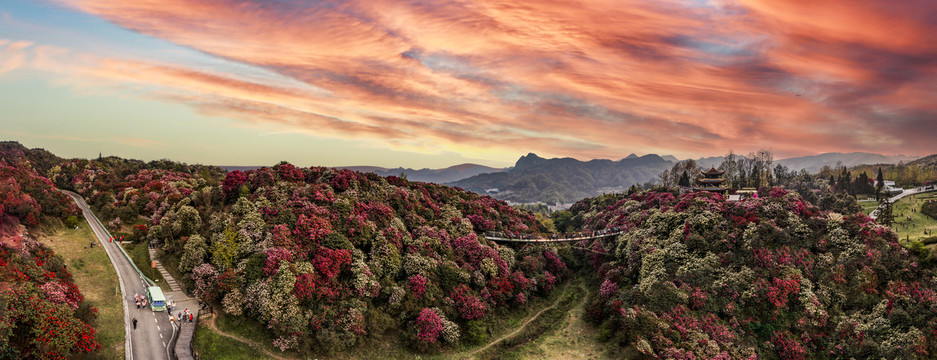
[(210, 323), (524, 325), (575, 340)]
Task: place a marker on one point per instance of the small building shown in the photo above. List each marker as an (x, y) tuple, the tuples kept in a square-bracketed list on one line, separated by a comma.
[(711, 180), (888, 187)]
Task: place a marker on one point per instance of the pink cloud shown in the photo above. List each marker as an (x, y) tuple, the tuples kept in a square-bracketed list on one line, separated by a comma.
[(588, 79)]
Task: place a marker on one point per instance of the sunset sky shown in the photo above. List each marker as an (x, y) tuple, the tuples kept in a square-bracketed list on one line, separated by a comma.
[(432, 83)]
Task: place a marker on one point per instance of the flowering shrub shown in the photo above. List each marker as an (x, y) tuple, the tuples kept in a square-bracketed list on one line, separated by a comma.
[(608, 288), (41, 310), (470, 307), (41, 313), (774, 277), (418, 285), (321, 257), (274, 258), (429, 326), (204, 277)]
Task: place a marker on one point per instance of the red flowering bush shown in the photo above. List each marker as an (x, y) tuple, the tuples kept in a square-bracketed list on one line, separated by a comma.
[(321, 257), (274, 257), (788, 347), (233, 182), (608, 288), (470, 307), (771, 277), (429, 326), (418, 285), (342, 180), (41, 312)]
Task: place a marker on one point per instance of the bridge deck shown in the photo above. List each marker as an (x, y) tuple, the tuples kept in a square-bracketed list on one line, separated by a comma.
[(550, 240)]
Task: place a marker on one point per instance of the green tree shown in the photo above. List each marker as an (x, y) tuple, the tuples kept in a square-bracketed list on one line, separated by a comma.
[(224, 248), (187, 221), (879, 185), (632, 190), (885, 215), (684, 179), (71, 221), (730, 167), (194, 253)]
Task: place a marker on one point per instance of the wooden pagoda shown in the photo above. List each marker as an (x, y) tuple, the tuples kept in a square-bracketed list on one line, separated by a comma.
[(711, 180)]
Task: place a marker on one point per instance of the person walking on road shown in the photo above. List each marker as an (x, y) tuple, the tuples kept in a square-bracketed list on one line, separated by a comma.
[(134, 323)]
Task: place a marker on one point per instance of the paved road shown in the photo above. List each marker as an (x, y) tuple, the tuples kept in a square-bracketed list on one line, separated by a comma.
[(151, 338), (908, 192)]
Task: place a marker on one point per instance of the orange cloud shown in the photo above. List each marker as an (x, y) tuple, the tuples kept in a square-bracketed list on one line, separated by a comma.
[(583, 79)]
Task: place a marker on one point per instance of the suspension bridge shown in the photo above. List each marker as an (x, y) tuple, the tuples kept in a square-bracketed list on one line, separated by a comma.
[(553, 238)]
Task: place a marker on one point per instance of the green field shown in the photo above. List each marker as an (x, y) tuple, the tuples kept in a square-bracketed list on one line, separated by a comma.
[(911, 230), (868, 206), (209, 345), (94, 275)]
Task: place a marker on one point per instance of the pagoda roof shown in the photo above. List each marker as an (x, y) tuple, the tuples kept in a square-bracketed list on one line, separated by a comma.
[(711, 180), (713, 172)]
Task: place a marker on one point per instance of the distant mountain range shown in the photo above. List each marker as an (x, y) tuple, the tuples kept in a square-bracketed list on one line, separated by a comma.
[(816, 162), (565, 180), (535, 179), (927, 162)]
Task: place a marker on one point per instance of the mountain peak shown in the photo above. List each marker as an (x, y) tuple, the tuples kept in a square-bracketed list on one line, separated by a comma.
[(632, 156), (528, 160)]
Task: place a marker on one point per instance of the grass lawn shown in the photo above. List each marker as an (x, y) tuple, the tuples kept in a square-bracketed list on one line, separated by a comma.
[(563, 332), (868, 206), (246, 328), (94, 275), (210, 345), (913, 230)]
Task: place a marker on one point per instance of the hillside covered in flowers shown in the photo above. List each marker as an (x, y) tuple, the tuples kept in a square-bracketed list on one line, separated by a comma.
[(325, 258), (697, 277), (42, 313)]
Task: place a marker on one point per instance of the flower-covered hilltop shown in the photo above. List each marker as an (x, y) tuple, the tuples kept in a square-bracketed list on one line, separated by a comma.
[(697, 277), (42, 313), (324, 258)]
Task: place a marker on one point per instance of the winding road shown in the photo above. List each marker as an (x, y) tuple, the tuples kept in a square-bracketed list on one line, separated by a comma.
[(893, 199), (152, 337)]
